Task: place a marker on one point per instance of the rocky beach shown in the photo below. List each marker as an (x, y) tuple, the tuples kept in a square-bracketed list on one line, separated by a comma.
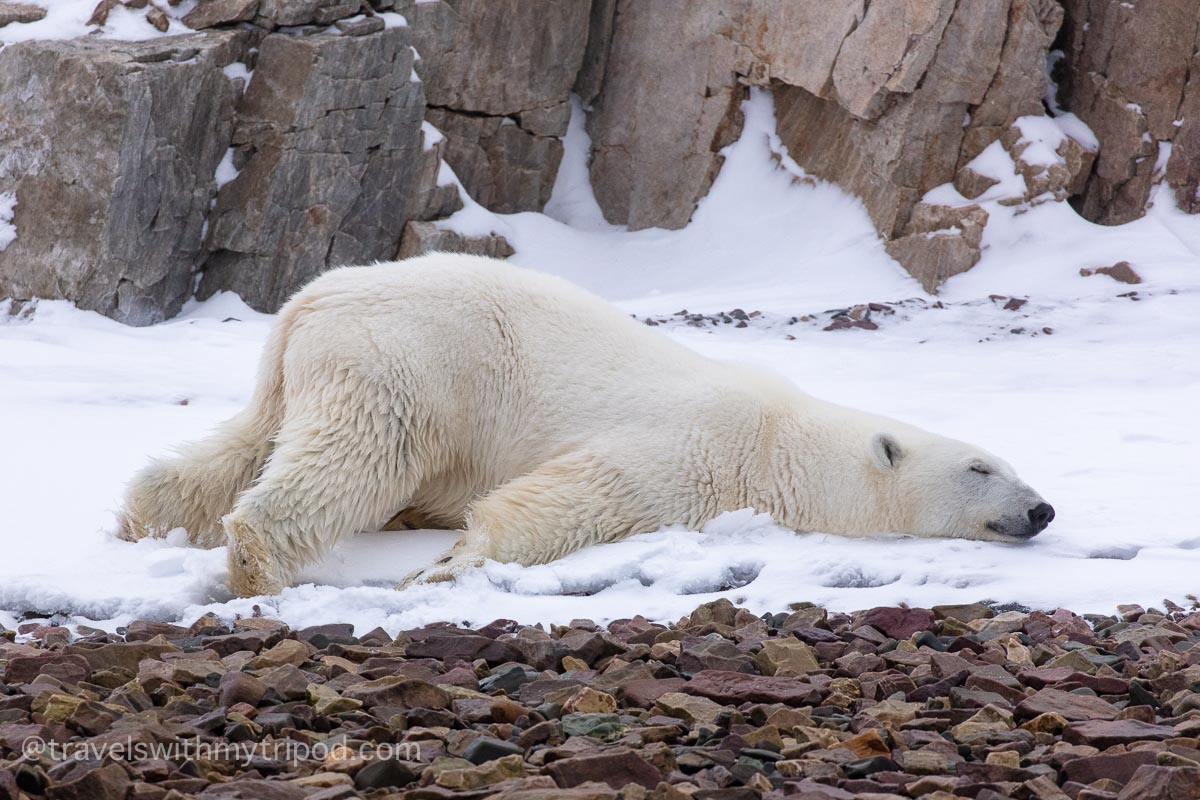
[(955, 701)]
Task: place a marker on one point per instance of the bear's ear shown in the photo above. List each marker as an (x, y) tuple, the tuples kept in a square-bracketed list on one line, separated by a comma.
[(886, 451)]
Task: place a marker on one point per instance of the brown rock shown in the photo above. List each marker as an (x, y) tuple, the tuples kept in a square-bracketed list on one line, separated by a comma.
[(688, 707), (1121, 271), (738, 687), (1127, 72), (67, 668), (395, 691), (1163, 783), (110, 782), (901, 623), (20, 12), (1071, 707), (1119, 767), (616, 768), (1105, 733), (426, 237)]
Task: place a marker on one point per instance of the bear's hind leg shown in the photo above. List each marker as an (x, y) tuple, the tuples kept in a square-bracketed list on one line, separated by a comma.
[(196, 488), (341, 465), (568, 503)]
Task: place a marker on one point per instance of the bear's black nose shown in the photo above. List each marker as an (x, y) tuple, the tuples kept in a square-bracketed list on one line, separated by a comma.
[(1041, 516)]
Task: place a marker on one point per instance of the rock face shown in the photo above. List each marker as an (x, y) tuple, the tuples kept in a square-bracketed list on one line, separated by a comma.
[(328, 144), (497, 76), (1132, 73), (110, 149), (875, 101)]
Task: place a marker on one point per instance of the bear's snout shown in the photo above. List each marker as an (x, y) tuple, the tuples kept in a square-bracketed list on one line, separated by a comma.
[(1040, 517)]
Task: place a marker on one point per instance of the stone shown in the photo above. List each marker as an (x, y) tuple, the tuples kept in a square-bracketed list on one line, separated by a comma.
[(1106, 733), (465, 648), (1121, 271), (486, 774), (113, 220), (20, 13), (398, 691), (786, 658), (503, 166), (288, 651), (689, 707), (889, 713), (1163, 783), (900, 623), (426, 237), (109, 782), (987, 721), (240, 687), (330, 164), (384, 773), (1072, 707), (712, 653), (486, 748), (65, 667), (304, 12), (617, 768), (1119, 767), (738, 687), (940, 242), (866, 744), (586, 700), (210, 13), (253, 789)]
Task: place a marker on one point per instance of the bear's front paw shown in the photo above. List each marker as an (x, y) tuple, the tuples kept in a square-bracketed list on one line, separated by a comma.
[(252, 572)]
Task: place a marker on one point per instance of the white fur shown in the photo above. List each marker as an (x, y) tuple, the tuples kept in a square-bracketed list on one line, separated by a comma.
[(538, 420)]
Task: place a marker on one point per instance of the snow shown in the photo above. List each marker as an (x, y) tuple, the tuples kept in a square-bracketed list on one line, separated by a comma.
[(67, 19), (226, 171), (430, 136), (1099, 414), (8, 231)]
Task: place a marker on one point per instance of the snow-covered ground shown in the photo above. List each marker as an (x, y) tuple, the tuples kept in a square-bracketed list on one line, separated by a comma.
[(1099, 413)]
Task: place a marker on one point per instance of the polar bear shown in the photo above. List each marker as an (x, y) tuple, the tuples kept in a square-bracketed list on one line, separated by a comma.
[(536, 419)]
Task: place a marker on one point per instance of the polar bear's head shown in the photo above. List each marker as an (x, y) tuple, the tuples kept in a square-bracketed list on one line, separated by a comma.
[(949, 488)]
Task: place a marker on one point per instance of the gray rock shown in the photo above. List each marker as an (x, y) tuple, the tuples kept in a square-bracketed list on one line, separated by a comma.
[(111, 216), (503, 166), (500, 107), (498, 57), (426, 237), (304, 12), (210, 13), (329, 148)]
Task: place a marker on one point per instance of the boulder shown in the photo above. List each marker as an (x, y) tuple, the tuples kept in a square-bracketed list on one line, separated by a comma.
[(328, 152), (502, 108), (1129, 72), (112, 216)]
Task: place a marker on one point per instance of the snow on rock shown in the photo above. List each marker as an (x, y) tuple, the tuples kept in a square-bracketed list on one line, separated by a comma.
[(68, 19), (8, 231)]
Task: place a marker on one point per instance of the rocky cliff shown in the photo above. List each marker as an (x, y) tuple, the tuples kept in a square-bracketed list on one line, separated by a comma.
[(275, 139)]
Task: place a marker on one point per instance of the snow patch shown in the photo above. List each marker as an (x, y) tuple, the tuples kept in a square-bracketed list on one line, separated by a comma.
[(8, 231)]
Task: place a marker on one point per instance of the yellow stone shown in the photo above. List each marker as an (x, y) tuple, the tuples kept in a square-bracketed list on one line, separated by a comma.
[(1004, 758), (573, 663), (485, 775), (587, 700), (786, 658), (1049, 722), (868, 743)]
